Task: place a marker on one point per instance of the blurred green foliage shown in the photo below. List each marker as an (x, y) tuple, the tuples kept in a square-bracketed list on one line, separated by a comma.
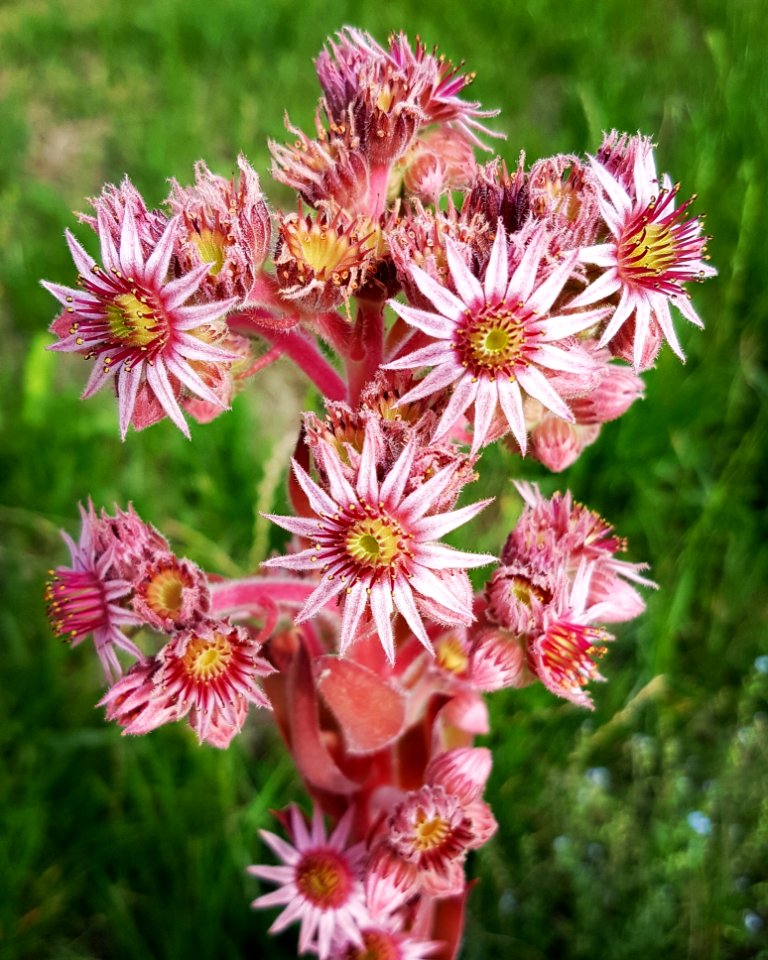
[(638, 831)]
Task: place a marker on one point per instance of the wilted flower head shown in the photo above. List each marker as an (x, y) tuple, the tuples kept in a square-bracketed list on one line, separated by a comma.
[(224, 224), (83, 598), (375, 546), (133, 321)]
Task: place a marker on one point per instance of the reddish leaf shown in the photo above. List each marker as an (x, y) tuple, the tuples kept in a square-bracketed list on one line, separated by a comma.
[(370, 712)]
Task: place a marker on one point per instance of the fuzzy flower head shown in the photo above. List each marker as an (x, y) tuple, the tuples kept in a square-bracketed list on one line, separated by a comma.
[(494, 342), (319, 882), (209, 673), (136, 324), (654, 250), (227, 225), (374, 545), (564, 656), (87, 597)]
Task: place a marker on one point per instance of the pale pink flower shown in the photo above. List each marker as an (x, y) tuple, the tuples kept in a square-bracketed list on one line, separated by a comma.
[(494, 340), (375, 546), (134, 322), (386, 941), (319, 882), (653, 252), (88, 597)]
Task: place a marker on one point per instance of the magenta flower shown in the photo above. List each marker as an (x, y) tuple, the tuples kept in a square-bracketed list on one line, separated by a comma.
[(82, 599), (134, 322), (653, 253), (319, 883), (494, 340), (374, 545)]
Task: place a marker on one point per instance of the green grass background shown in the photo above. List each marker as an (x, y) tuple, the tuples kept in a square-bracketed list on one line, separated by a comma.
[(116, 848)]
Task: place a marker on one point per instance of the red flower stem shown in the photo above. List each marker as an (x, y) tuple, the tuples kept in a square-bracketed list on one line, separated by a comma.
[(367, 348), (302, 349), (254, 592)]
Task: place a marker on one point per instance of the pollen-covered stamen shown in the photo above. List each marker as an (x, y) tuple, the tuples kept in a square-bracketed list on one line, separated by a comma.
[(430, 833), (324, 877), (212, 245), (206, 660), (134, 320), (567, 653), (660, 249), (321, 250), (495, 339), (375, 541), (76, 603)]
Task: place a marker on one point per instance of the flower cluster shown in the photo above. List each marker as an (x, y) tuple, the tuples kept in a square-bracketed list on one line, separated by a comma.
[(125, 576), (439, 303)]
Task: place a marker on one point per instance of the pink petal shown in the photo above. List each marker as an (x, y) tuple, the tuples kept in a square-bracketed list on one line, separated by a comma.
[(381, 608), (354, 605), (128, 382), (157, 378), (325, 591), (131, 256), (522, 280), (438, 524), (463, 394), (512, 404), (367, 481), (485, 407), (394, 483), (467, 285), (434, 381), (548, 291), (160, 258), (496, 274), (626, 305), (446, 302), (537, 386), (432, 587), (438, 556), (616, 193), (433, 324), (403, 597), (603, 287), (319, 500)]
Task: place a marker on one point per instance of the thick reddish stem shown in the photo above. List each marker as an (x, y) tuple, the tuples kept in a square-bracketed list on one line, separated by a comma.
[(367, 347), (230, 596), (301, 348)]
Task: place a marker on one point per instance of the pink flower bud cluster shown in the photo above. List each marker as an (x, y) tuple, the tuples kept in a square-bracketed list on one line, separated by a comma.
[(439, 304)]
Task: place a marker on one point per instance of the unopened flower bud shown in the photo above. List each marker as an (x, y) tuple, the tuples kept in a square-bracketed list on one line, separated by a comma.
[(615, 394)]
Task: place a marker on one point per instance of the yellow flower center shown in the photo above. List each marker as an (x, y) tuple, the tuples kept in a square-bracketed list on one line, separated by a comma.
[(207, 660), (212, 247), (430, 834), (165, 592), (650, 250), (374, 542), (323, 878), (492, 340), (133, 320), (450, 655)]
